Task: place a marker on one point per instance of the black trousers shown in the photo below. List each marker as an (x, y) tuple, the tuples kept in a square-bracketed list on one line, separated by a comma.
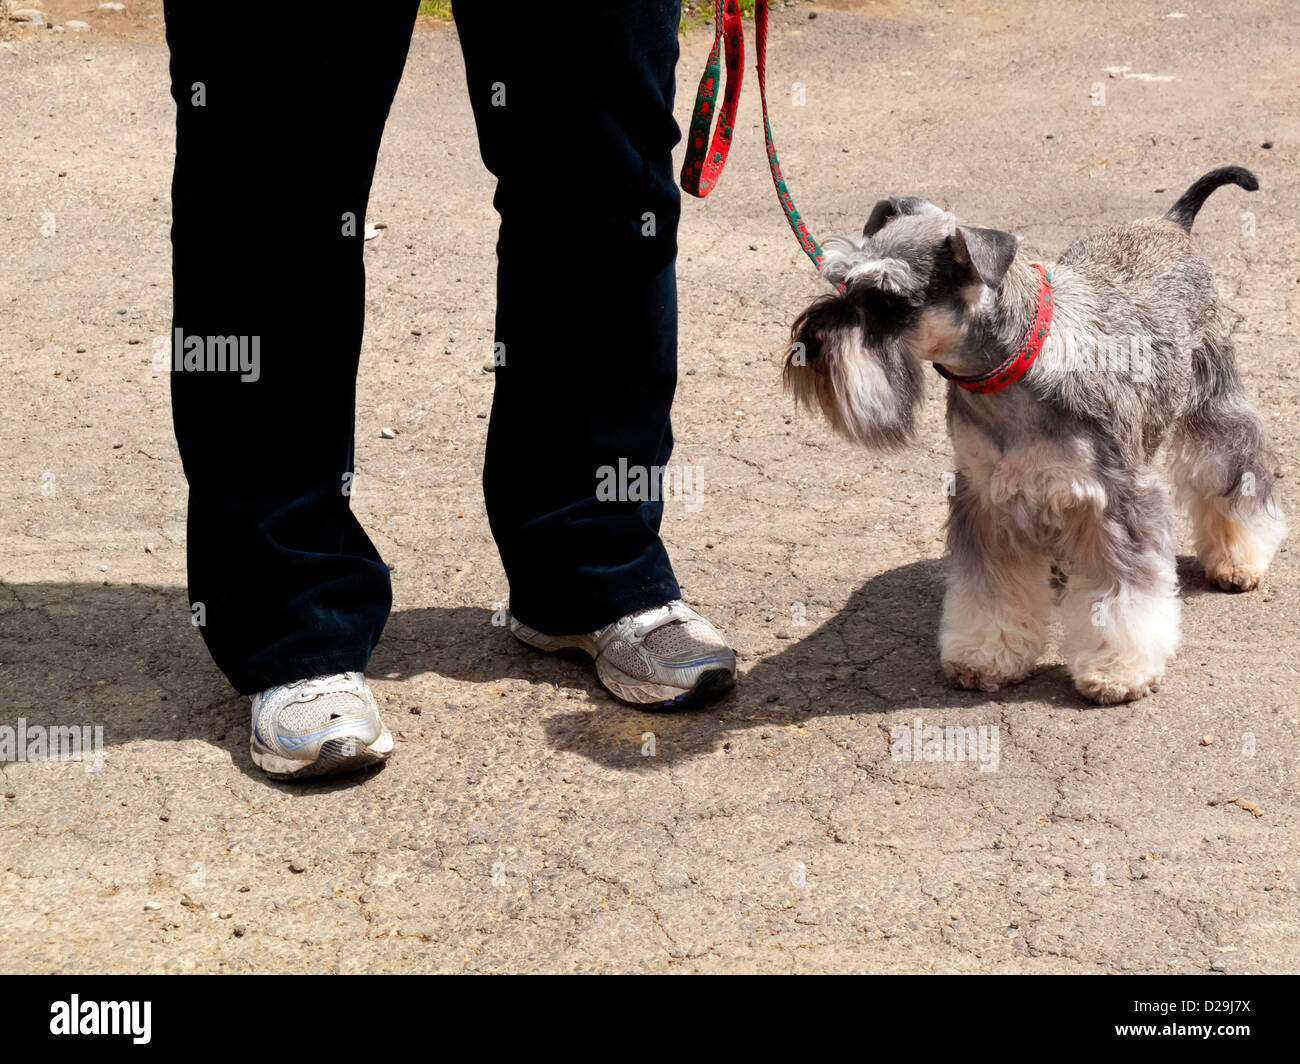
[(278, 127)]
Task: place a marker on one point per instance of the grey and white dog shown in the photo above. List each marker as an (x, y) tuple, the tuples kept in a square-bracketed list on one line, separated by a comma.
[(1069, 466)]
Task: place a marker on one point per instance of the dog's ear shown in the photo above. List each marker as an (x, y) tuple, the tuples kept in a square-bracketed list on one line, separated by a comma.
[(987, 252), (888, 209)]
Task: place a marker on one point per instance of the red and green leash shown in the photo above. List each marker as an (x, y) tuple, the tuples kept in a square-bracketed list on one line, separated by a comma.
[(702, 168)]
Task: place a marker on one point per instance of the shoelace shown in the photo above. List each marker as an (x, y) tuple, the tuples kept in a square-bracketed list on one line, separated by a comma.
[(636, 626), (349, 682)]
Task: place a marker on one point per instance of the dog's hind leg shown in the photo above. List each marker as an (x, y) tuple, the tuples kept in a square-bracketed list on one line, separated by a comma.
[(1222, 467), (997, 602)]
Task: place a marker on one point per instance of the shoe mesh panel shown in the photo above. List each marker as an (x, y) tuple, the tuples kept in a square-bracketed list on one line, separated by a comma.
[(626, 660), (315, 712), (684, 640)]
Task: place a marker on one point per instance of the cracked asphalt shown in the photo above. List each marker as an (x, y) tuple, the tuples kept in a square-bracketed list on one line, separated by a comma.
[(526, 821)]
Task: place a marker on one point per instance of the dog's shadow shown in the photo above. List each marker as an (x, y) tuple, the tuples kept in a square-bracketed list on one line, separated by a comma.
[(879, 653)]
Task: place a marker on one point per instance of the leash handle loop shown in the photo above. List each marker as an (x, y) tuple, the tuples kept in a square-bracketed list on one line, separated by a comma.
[(700, 171)]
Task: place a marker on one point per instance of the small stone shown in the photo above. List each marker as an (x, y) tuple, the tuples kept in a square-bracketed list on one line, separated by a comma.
[(103, 568), (27, 14), (238, 931), (1160, 189), (164, 818), (1267, 145), (151, 906), (117, 446), (1219, 966), (297, 865), (81, 350), (76, 24), (415, 711), (387, 434), (224, 916), (148, 548), (1206, 740)]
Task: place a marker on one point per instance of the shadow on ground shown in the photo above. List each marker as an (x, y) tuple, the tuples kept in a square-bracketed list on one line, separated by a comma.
[(127, 657)]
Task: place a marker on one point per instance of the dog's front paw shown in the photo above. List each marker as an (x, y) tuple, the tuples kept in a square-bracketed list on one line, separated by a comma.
[(980, 677), (1110, 688), (1230, 576)]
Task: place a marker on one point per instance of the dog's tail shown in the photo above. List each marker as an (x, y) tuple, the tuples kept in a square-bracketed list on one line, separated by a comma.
[(1184, 211)]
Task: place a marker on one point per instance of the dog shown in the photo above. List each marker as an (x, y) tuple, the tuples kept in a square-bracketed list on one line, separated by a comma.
[(1077, 397)]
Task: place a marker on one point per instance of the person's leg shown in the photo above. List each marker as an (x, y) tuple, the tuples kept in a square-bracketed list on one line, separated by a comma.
[(575, 120), (278, 128)]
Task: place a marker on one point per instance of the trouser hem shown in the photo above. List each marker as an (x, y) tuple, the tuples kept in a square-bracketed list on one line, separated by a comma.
[(552, 615)]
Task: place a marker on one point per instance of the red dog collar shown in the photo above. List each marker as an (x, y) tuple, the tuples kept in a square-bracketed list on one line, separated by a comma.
[(1023, 357)]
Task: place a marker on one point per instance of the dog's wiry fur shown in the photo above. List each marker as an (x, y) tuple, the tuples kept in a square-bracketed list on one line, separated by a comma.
[(1135, 390)]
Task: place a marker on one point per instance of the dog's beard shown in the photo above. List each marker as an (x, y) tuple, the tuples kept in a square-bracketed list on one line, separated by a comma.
[(868, 395)]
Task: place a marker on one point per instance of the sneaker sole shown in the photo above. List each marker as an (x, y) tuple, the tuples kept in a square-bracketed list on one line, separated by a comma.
[(711, 685), (337, 757)]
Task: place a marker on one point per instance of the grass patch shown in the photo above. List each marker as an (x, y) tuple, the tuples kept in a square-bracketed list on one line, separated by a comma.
[(436, 9), (701, 13)]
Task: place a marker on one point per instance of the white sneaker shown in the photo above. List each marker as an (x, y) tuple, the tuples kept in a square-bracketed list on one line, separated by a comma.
[(322, 726), (667, 654)]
